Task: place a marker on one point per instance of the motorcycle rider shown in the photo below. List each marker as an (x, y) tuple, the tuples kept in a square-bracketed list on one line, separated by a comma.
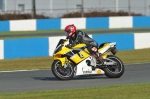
[(77, 36)]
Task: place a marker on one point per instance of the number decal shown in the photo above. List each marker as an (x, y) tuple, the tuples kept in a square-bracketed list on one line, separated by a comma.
[(81, 56)]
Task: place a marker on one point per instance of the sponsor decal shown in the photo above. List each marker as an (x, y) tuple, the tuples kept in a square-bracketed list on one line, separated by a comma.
[(86, 71)]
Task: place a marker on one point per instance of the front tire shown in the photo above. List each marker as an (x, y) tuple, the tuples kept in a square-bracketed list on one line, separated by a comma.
[(62, 72), (115, 71)]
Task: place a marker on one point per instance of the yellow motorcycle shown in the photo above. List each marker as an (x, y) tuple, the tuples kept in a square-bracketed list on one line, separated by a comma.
[(77, 61)]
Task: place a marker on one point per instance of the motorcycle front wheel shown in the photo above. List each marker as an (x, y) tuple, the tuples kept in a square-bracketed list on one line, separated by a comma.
[(62, 72)]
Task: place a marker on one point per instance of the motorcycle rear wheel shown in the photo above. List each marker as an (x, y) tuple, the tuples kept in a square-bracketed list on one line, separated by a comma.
[(115, 71), (61, 72)]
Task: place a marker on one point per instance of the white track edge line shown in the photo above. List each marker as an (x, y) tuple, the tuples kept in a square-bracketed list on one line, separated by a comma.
[(18, 71), (138, 63)]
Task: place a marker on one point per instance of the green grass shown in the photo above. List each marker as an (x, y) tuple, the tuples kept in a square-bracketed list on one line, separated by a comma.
[(99, 31), (26, 63), (134, 56), (138, 91), (62, 30), (50, 31), (128, 57), (38, 31)]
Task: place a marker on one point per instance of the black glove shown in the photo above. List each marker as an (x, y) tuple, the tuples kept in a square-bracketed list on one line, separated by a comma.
[(68, 46)]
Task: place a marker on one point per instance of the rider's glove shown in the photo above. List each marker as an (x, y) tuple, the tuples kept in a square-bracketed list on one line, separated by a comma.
[(68, 46)]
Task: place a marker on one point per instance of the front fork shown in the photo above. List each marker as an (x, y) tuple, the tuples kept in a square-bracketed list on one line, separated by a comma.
[(62, 60)]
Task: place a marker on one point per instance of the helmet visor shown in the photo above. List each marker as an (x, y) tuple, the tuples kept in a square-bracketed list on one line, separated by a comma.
[(68, 32)]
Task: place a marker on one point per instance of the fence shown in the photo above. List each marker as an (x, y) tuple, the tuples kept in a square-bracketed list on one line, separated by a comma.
[(57, 13), (55, 8)]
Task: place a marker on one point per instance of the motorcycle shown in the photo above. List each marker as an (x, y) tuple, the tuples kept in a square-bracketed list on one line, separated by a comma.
[(77, 61)]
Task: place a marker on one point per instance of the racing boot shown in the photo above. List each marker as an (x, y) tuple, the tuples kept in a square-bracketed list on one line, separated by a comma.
[(97, 55), (99, 58)]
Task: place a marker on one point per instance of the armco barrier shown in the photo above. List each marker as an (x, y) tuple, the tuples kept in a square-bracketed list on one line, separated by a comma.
[(1, 49), (121, 22), (124, 41), (141, 21), (41, 47), (35, 47), (48, 24), (141, 40), (4, 26), (81, 23), (23, 25), (96, 23), (23, 48)]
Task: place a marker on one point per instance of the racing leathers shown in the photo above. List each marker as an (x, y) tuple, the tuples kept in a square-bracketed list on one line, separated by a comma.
[(82, 37)]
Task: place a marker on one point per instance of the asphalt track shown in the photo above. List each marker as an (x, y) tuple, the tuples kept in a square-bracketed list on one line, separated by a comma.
[(44, 80)]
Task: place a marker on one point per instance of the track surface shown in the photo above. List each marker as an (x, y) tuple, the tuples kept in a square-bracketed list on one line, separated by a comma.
[(44, 79)]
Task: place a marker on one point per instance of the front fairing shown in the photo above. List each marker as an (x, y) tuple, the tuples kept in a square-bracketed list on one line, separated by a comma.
[(76, 54), (60, 51), (60, 48), (63, 50)]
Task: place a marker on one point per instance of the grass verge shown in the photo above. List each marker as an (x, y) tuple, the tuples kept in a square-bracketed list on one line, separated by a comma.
[(138, 91), (128, 57), (46, 33)]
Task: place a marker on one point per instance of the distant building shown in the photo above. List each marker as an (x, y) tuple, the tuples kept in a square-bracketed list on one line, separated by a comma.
[(24, 6), (56, 8)]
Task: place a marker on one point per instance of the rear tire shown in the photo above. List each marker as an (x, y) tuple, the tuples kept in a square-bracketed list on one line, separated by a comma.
[(61, 72), (110, 71)]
